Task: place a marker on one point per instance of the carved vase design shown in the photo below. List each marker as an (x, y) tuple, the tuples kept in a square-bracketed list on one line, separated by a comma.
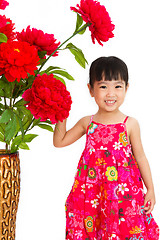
[(9, 193)]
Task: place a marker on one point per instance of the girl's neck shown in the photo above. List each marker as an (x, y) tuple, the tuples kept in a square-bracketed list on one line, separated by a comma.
[(109, 117)]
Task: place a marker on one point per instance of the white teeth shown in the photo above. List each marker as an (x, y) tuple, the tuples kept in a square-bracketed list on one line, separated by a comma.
[(109, 101)]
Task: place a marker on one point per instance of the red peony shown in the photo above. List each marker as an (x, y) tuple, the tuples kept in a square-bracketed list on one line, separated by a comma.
[(42, 41), (17, 59), (7, 27), (48, 99), (3, 4), (92, 12)]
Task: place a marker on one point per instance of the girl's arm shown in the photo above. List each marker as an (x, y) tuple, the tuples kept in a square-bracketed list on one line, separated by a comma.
[(143, 164), (62, 138)]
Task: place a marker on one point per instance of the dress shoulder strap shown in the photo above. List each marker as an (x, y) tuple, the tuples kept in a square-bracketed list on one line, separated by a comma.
[(125, 120), (89, 124), (91, 119)]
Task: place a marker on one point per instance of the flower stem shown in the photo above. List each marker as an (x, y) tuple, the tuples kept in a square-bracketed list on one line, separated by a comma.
[(12, 90), (75, 33), (5, 102), (29, 126), (7, 150)]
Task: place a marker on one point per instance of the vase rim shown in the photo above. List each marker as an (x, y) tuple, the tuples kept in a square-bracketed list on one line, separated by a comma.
[(3, 152)]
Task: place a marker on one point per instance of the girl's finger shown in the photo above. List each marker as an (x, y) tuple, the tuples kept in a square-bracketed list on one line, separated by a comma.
[(152, 206), (146, 201), (146, 208), (147, 205), (148, 211)]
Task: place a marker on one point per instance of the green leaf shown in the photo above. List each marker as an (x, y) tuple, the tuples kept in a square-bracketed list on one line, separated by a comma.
[(79, 56), (24, 110), (45, 126), (17, 141), (79, 28), (1, 137), (48, 121), (21, 102), (82, 31), (24, 145), (19, 117), (79, 22), (29, 137), (5, 90), (27, 122), (63, 73), (3, 38), (2, 93), (25, 115), (2, 106), (41, 61), (14, 149), (20, 113), (57, 70), (11, 129), (2, 128), (35, 122), (61, 79), (21, 125), (6, 116), (41, 54), (5, 87), (51, 68)]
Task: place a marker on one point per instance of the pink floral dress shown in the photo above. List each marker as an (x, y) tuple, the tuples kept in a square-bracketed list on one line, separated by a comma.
[(106, 201)]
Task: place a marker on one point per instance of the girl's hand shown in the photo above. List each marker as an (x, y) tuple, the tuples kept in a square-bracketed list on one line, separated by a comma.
[(62, 138), (149, 201)]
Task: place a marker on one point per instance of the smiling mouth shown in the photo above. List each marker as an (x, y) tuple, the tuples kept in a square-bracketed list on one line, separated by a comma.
[(110, 101)]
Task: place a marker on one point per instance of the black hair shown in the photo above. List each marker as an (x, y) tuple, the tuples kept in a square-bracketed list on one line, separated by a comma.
[(112, 67)]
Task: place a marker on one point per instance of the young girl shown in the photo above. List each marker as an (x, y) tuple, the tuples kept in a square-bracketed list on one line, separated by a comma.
[(107, 200)]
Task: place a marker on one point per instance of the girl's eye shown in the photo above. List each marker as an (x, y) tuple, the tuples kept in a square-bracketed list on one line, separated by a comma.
[(103, 86), (118, 86)]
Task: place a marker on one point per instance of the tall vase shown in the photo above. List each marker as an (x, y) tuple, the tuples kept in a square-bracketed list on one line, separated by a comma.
[(9, 193)]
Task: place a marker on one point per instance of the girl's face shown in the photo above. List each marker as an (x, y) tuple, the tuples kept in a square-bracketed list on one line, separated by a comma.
[(109, 95)]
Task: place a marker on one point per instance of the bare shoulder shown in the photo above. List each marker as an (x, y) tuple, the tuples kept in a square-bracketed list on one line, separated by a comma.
[(132, 125), (132, 122), (85, 122)]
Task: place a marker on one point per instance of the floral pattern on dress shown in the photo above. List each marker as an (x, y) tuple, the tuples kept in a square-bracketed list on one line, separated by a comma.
[(106, 201)]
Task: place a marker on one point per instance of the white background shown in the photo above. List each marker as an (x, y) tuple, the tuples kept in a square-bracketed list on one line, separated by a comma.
[(47, 173)]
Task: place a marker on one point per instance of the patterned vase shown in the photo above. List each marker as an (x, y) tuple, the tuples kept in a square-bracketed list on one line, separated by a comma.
[(9, 193)]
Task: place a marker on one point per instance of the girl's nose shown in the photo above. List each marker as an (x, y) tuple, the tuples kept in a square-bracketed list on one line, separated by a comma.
[(110, 92)]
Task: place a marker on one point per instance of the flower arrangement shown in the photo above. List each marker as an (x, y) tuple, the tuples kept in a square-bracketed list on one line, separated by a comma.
[(30, 96)]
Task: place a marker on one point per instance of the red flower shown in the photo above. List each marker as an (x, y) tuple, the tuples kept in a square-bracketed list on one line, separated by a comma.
[(48, 99), (17, 59), (43, 41), (7, 27), (3, 4), (92, 12)]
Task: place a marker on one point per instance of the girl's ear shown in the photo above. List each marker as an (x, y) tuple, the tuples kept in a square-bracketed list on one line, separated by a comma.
[(90, 89), (127, 87)]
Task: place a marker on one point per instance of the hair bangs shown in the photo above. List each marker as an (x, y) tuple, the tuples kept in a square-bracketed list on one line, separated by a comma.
[(109, 68)]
